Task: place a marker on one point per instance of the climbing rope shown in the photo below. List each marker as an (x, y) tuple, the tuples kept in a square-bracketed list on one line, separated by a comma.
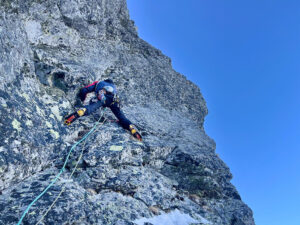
[(60, 172), (64, 187)]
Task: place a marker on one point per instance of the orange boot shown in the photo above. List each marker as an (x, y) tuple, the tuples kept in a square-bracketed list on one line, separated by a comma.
[(135, 133)]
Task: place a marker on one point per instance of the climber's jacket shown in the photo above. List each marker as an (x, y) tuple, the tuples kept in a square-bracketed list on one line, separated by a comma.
[(106, 96), (97, 86)]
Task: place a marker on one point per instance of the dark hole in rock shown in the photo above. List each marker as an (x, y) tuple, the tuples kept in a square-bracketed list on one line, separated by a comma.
[(59, 81), (59, 75)]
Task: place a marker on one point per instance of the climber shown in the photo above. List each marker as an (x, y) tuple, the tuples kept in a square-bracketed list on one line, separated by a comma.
[(105, 96)]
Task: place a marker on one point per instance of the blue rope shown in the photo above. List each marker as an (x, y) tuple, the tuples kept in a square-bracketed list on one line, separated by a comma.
[(60, 172)]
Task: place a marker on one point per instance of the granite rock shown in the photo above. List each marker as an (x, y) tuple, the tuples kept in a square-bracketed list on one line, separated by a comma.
[(48, 50)]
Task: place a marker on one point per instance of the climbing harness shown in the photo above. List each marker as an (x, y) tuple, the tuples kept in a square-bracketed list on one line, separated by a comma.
[(116, 100), (60, 172)]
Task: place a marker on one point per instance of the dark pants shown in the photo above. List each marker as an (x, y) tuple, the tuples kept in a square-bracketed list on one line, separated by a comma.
[(114, 107)]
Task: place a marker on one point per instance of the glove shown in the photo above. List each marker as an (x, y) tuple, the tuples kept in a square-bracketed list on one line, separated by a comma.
[(134, 132), (74, 116)]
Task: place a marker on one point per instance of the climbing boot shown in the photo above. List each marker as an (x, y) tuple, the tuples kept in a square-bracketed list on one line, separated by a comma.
[(134, 132), (74, 116), (81, 112), (71, 118)]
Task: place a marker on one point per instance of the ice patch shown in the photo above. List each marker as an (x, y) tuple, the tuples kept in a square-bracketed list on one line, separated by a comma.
[(174, 218)]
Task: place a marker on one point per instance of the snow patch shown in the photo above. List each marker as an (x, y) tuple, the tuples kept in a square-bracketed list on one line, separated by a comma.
[(174, 218)]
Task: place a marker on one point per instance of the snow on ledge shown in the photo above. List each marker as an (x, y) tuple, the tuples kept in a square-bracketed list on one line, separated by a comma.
[(173, 218)]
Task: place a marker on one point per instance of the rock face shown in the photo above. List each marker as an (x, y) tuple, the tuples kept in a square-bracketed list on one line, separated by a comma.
[(48, 50)]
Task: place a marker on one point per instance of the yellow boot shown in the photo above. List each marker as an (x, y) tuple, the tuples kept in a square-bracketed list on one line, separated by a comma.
[(134, 132)]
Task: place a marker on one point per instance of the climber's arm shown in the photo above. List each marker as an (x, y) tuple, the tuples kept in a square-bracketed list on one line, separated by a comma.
[(86, 110), (92, 107), (87, 89), (125, 123)]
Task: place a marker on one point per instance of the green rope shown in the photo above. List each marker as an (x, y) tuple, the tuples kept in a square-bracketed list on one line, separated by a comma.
[(61, 171), (64, 186)]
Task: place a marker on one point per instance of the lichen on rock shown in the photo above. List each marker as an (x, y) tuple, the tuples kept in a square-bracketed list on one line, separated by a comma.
[(16, 125)]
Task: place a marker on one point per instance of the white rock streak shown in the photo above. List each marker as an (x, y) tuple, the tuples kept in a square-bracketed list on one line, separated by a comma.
[(33, 30)]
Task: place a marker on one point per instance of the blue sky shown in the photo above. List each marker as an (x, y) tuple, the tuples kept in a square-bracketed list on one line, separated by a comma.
[(244, 56)]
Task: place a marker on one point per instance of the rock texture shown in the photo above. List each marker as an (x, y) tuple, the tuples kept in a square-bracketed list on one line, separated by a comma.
[(48, 50)]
